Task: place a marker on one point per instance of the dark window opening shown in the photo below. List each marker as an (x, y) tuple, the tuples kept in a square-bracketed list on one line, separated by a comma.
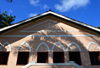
[(42, 57), (95, 58), (58, 57), (75, 56), (4, 58), (22, 58)]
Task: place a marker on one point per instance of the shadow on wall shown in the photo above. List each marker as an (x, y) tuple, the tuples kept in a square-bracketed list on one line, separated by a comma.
[(35, 41)]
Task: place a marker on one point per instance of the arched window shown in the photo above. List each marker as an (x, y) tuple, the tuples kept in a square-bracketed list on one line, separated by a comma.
[(42, 53), (58, 53), (24, 47), (94, 52), (23, 54), (43, 48), (73, 47), (93, 47), (74, 52), (3, 46), (55, 45), (4, 53)]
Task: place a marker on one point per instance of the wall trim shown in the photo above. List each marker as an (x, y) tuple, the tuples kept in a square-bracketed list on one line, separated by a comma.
[(8, 45), (93, 48), (56, 44), (44, 44), (49, 30), (37, 64), (53, 31), (46, 35), (75, 44), (23, 44), (34, 25)]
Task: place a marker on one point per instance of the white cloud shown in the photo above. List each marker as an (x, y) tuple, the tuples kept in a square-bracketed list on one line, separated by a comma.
[(10, 11), (66, 5), (34, 2), (32, 14), (45, 6)]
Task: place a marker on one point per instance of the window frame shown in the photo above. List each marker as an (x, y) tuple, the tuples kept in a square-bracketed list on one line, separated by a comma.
[(79, 56), (47, 56), (90, 58), (7, 57), (63, 56), (27, 59)]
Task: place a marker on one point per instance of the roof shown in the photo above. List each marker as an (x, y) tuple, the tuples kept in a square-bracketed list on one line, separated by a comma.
[(52, 13)]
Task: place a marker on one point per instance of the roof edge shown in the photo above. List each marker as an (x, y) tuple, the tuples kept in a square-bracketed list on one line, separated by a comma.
[(50, 12)]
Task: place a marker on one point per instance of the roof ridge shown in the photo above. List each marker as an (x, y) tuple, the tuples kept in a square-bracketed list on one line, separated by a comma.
[(53, 13)]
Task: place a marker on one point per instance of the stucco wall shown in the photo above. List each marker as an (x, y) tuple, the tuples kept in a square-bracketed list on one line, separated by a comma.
[(46, 33)]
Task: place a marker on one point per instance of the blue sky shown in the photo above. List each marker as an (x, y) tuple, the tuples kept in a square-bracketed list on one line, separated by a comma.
[(87, 11)]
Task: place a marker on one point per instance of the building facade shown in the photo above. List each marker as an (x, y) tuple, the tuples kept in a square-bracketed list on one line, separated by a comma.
[(49, 40)]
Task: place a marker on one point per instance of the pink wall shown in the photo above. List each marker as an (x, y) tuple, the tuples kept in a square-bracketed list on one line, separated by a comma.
[(35, 33)]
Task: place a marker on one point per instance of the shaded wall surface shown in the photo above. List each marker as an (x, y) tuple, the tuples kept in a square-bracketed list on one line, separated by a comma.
[(48, 35)]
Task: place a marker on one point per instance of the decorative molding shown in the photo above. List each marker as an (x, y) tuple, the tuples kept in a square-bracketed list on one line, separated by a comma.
[(23, 44), (44, 44), (24, 30), (46, 35), (33, 26), (56, 44), (92, 48), (91, 27), (51, 64), (8, 45), (75, 44), (53, 31)]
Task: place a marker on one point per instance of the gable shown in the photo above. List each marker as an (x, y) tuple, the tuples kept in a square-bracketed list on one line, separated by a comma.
[(49, 26)]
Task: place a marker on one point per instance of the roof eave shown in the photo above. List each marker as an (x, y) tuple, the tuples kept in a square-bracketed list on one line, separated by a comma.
[(50, 12)]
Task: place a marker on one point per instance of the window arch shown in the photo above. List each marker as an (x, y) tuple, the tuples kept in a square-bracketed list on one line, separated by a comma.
[(42, 57), (58, 57), (23, 44), (92, 43), (94, 55), (56, 44), (4, 54), (23, 56), (8, 45), (75, 44), (76, 54), (41, 44)]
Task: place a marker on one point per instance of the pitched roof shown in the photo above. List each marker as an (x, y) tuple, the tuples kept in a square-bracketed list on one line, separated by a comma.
[(52, 13)]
